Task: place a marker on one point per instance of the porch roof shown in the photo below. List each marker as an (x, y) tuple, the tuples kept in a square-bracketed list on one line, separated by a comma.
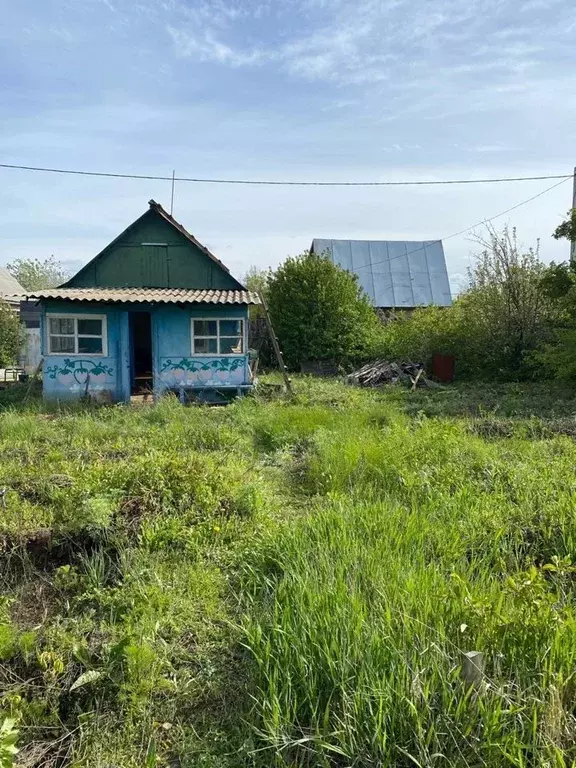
[(148, 295)]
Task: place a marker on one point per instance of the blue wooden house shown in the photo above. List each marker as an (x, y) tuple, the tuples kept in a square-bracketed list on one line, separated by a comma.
[(154, 311)]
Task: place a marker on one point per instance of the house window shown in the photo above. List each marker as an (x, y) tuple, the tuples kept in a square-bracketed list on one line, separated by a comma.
[(217, 337), (76, 334)]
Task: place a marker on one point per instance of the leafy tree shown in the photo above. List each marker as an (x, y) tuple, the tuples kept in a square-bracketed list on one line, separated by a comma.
[(11, 336), (558, 357), (567, 229), (506, 304), (257, 279), (319, 311), (36, 274)]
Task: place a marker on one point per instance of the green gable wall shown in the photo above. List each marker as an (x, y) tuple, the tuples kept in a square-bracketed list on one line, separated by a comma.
[(169, 260)]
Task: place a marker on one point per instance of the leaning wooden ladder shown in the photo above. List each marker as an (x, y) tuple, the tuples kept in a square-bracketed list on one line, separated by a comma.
[(276, 345)]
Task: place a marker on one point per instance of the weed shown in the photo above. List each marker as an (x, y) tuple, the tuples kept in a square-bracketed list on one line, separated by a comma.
[(290, 582)]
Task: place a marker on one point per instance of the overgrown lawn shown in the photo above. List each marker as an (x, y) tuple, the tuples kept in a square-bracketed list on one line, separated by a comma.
[(291, 583)]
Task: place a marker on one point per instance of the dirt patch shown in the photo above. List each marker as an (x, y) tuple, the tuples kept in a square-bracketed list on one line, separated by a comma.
[(35, 602)]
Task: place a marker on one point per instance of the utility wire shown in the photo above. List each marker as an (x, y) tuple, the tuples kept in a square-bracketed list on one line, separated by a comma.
[(563, 179), (468, 229), (284, 183)]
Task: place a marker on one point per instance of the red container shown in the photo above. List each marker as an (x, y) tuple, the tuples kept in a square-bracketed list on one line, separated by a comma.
[(444, 367)]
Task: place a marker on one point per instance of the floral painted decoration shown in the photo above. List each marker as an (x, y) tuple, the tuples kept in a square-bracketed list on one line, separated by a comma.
[(79, 371), (218, 364)]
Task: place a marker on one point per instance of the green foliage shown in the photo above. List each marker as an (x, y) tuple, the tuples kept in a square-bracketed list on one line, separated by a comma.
[(11, 335), (8, 739), (558, 280), (257, 280), (319, 311), (567, 229), (495, 325), (291, 582), (427, 330), (423, 542), (557, 357), (36, 274)]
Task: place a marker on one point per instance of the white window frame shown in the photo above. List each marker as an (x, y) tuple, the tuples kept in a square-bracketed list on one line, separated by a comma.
[(243, 334), (60, 316)]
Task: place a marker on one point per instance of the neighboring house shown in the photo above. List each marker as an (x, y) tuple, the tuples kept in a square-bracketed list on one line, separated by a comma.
[(154, 310), (12, 292), (10, 289), (395, 274)]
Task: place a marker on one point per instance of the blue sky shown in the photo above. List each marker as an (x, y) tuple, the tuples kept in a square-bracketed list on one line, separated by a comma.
[(294, 89)]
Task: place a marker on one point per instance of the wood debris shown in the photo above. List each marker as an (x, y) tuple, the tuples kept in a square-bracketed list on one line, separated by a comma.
[(380, 372)]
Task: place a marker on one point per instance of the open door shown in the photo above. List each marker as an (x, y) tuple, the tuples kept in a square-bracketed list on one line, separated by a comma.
[(141, 353)]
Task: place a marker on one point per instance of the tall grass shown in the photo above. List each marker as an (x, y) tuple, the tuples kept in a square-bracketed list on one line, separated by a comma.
[(423, 542), (291, 583), (120, 532)]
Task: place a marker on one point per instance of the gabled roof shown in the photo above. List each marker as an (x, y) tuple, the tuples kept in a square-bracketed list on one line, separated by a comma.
[(394, 273), (159, 210), (171, 220), (9, 286), (148, 295)]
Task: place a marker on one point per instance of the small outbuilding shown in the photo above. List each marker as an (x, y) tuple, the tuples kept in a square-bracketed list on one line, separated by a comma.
[(154, 311), (395, 274)]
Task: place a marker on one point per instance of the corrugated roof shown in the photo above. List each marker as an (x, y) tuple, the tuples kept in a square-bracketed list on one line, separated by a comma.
[(394, 273), (9, 286), (148, 295)]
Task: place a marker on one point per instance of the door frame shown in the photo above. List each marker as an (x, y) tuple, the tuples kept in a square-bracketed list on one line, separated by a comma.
[(131, 349)]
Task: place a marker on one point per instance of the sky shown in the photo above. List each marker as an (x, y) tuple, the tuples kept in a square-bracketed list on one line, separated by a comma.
[(301, 90)]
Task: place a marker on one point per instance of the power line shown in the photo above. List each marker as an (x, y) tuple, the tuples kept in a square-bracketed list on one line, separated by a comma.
[(254, 182), (173, 178), (468, 229), (509, 210)]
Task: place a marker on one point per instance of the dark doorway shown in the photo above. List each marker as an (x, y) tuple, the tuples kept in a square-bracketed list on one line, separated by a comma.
[(141, 352)]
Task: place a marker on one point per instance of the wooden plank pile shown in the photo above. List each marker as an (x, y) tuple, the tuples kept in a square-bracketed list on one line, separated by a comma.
[(380, 372)]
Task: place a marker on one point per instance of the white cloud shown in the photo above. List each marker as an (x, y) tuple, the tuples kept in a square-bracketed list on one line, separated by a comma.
[(377, 43), (295, 89), (208, 48)]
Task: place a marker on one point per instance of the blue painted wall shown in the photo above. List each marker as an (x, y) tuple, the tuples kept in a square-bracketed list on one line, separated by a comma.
[(178, 367), (71, 376), (174, 365)]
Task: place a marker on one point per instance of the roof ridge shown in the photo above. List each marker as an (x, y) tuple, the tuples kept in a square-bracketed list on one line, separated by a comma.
[(171, 220)]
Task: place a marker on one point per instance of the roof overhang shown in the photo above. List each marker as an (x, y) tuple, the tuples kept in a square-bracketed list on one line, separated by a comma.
[(147, 296)]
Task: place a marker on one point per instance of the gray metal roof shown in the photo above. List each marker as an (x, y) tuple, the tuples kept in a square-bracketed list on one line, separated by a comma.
[(394, 273), (150, 295), (9, 286)]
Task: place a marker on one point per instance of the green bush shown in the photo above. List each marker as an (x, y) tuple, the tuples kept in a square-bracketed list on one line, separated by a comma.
[(494, 326), (319, 311), (10, 335), (558, 358)]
